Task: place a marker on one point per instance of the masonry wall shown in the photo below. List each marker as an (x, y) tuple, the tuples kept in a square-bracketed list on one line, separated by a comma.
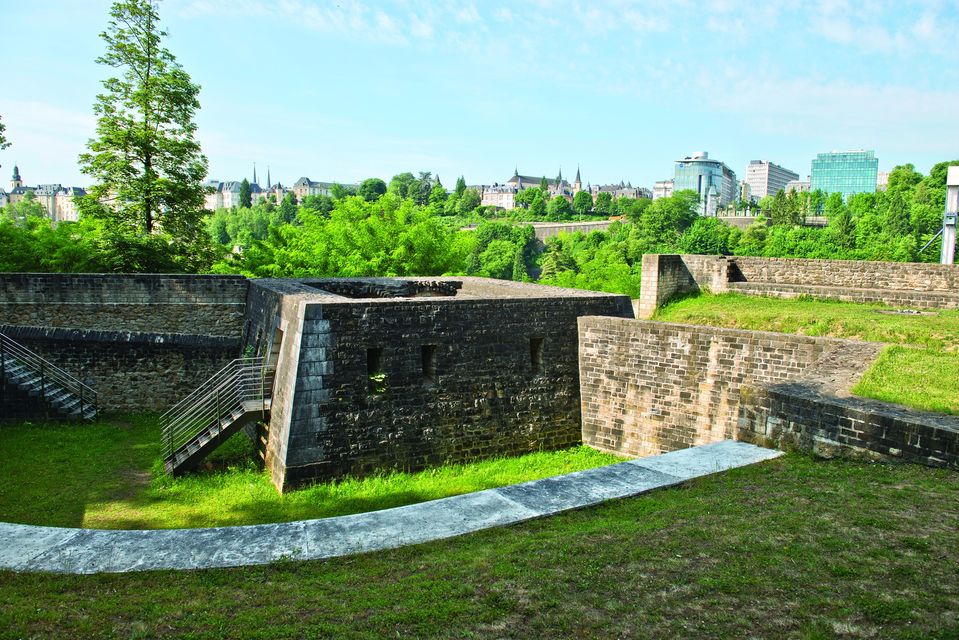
[(486, 398), (152, 303), (667, 276), (800, 416), (142, 341), (858, 274), (913, 285), (653, 387)]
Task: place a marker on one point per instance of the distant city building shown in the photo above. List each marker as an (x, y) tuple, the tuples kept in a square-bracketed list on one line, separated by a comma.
[(845, 172), (745, 192), (55, 198), (800, 186), (767, 179), (226, 195), (499, 195), (715, 183), (306, 187), (662, 189), (621, 190), (882, 181), (504, 195)]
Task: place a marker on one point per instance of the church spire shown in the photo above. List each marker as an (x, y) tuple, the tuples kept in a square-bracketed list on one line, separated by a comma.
[(16, 182), (577, 181), (254, 173)]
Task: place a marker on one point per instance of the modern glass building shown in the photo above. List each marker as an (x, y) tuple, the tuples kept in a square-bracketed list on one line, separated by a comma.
[(845, 172), (715, 183)]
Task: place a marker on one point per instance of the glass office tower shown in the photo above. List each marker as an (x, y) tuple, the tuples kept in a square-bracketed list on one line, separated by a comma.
[(715, 183), (845, 172)]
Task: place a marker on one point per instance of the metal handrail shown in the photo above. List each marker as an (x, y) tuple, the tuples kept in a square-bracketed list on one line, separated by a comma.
[(241, 381), (48, 372)]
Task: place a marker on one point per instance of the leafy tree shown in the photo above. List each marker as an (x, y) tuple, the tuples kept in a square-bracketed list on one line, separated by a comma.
[(537, 207), (468, 202), (341, 192), (400, 184), (583, 203), (460, 186), (371, 189), (559, 208), (438, 195), (604, 203), (246, 196), (319, 203), (146, 163), (544, 185)]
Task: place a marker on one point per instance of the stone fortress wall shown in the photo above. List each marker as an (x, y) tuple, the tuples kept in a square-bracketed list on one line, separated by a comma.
[(906, 284), (141, 341), (490, 370), (651, 387)]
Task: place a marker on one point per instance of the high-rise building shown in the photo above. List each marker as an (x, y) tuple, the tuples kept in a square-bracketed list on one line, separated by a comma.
[(845, 172), (715, 183), (767, 179)]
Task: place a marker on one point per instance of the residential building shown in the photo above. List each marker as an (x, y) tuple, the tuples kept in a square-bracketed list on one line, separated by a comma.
[(662, 189), (882, 181), (621, 190), (802, 186), (715, 182), (306, 187), (845, 172), (55, 198), (767, 179)]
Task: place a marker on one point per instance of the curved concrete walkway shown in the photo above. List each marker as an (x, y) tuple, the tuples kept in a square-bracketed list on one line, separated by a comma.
[(31, 548)]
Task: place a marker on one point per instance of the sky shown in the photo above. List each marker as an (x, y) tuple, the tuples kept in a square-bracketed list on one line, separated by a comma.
[(342, 91)]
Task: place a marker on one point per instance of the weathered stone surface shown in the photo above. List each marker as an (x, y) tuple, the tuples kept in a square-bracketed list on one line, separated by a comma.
[(485, 393)]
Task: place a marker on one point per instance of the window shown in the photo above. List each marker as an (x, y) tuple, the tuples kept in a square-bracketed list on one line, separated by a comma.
[(374, 370), (536, 354), (428, 360)]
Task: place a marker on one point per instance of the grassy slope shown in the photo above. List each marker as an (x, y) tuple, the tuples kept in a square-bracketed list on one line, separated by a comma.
[(791, 548), (100, 476), (923, 376)]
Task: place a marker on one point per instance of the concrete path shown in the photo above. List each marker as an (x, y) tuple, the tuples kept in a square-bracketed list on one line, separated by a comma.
[(31, 548)]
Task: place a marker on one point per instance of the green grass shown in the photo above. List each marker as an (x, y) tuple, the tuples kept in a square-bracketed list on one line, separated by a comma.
[(923, 377), (790, 548), (109, 476)]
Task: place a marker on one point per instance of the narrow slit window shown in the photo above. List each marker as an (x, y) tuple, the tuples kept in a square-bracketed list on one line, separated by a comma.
[(428, 358), (536, 354), (374, 370)]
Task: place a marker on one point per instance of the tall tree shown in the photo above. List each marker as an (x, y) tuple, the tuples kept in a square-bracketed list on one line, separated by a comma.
[(146, 163), (460, 186), (246, 195)]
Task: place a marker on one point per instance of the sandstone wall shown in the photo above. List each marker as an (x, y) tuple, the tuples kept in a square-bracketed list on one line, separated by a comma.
[(653, 387)]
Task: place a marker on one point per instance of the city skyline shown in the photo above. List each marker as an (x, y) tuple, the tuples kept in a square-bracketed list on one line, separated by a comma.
[(620, 88)]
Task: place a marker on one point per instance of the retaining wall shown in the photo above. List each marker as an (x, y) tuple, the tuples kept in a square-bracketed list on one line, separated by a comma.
[(142, 341), (913, 285), (652, 387)]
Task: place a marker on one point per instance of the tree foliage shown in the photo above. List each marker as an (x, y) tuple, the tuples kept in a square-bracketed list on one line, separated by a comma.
[(147, 166)]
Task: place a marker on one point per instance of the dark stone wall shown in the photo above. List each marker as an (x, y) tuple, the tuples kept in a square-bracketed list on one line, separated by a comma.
[(487, 397), (142, 341), (153, 303), (130, 371), (800, 416)]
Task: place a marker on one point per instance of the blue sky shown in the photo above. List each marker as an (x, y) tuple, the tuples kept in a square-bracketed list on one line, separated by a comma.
[(347, 90)]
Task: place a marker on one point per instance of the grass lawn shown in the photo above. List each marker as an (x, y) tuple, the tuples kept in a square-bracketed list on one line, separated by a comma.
[(790, 548), (924, 376), (109, 476)]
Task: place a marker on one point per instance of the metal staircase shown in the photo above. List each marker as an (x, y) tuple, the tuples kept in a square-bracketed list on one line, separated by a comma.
[(234, 397), (30, 374)]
